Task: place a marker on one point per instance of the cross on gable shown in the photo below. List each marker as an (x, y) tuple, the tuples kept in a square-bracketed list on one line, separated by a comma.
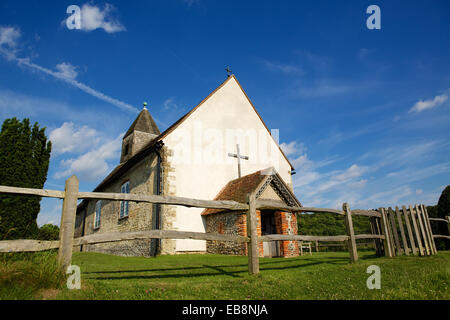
[(239, 157)]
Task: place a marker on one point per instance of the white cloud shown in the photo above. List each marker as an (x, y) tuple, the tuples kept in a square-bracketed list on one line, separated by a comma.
[(66, 70), (9, 36), (92, 18), (68, 139), (292, 148), (428, 104), (92, 165)]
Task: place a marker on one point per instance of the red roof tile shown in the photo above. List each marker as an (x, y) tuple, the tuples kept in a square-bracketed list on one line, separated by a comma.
[(238, 189)]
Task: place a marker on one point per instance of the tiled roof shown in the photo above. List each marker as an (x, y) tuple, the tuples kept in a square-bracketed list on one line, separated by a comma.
[(238, 189), (145, 123)]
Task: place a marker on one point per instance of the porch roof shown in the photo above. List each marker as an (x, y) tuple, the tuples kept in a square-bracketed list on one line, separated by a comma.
[(238, 189)]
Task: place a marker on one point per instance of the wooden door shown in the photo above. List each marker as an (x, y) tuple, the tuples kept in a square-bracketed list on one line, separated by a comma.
[(271, 248)]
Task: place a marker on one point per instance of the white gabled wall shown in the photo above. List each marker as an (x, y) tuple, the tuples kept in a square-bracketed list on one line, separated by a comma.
[(200, 157)]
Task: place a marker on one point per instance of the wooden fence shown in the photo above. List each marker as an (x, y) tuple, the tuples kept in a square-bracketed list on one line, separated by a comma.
[(384, 230)]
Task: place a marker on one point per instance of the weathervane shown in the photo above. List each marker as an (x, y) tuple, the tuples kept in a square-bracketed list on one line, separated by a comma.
[(228, 70)]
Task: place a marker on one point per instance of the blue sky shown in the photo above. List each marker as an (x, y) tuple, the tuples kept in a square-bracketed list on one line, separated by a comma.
[(363, 114)]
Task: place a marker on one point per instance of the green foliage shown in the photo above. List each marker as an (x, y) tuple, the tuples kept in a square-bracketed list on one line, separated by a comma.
[(24, 161), (330, 224), (26, 275), (48, 232), (444, 203), (442, 210)]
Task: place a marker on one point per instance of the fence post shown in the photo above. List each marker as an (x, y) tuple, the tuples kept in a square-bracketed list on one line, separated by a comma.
[(253, 249), (385, 229), (422, 230), (410, 232), (69, 212), (349, 226), (448, 224), (428, 228)]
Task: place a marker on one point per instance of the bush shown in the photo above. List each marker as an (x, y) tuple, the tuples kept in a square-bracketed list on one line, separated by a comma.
[(48, 232), (443, 210)]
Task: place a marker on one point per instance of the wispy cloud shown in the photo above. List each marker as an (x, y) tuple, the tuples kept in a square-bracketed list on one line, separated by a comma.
[(92, 165), (93, 18), (64, 71), (169, 104), (422, 105), (323, 88), (292, 148), (283, 68)]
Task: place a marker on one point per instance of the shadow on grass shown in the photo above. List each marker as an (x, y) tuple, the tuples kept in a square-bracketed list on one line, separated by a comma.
[(264, 266)]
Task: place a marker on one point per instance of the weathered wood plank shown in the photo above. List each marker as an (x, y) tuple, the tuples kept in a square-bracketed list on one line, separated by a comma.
[(353, 251), (163, 199), (440, 236), (391, 232), (33, 192), (385, 230), (438, 219), (402, 231), (262, 204), (430, 231), (369, 236), (375, 222), (410, 232), (155, 234), (69, 212), (252, 223), (422, 230), (27, 245), (367, 213), (285, 237), (398, 248), (416, 231)]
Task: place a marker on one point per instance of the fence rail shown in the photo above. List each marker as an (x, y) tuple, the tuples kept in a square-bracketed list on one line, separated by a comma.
[(437, 236), (387, 226)]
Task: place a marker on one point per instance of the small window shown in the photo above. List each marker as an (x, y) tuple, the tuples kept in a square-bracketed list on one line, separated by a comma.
[(125, 188), (127, 147), (98, 214)]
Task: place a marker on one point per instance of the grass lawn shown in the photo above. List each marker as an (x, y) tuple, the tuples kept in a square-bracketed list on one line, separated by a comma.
[(327, 275)]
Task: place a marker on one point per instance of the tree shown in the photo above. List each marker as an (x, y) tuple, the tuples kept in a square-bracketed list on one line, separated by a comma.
[(443, 210), (24, 160), (48, 232), (444, 203)]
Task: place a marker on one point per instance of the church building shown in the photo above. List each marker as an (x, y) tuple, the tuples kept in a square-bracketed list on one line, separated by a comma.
[(221, 150)]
